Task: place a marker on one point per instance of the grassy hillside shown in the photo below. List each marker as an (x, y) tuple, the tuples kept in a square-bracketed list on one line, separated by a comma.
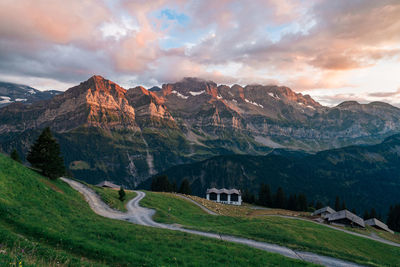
[(364, 177), (111, 197), (47, 223), (297, 234)]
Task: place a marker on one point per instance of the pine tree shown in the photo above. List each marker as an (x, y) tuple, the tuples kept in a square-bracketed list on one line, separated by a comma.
[(373, 213), (343, 205), (264, 195), (393, 220), (122, 194), (174, 187), (366, 215), (280, 199), (45, 155), (248, 197), (337, 203), (160, 184), (318, 205), (292, 202), (15, 156), (185, 187), (302, 203)]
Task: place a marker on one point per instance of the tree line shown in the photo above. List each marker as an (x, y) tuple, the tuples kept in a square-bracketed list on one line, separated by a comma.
[(161, 183), (295, 202)]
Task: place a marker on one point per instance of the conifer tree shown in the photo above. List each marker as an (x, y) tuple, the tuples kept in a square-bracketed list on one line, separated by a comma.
[(292, 203), (161, 184), (185, 187), (366, 215), (343, 205), (337, 203), (174, 187), (121, 193), (248, 197), (264, 195), (280, 199), (45, 155), (302, 202), (393, 220), (15, 156), (373, 213), (318, 205)]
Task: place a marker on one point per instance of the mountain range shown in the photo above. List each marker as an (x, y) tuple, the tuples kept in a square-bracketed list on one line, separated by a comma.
[(108, 132), (11, 93)]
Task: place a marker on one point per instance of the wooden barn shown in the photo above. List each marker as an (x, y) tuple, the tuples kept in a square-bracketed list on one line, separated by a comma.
[(378, 224), (108, 184), (345, 217), (323, 212)]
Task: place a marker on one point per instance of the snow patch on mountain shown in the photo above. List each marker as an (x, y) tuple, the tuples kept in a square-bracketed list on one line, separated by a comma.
[(254, 103), (273, 95), (32, 92), (21, 99), (197, 93), (179, 94), (311, 107)]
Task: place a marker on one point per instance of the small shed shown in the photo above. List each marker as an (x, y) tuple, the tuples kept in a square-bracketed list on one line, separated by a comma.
[(323, 212), (225, 196), (374, 222), (345, 217), (108, 184)]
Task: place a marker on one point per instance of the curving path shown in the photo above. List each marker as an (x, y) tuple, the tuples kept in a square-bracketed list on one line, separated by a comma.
[(372, 237), (143, 216), (197, 204)]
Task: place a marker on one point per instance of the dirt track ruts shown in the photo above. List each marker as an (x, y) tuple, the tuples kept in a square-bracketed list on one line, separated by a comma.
[(143, 216)]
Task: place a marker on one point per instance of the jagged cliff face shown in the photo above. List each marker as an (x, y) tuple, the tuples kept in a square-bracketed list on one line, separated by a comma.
[(124, 135)]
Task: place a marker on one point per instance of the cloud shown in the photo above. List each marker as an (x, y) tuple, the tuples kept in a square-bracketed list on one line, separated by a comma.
[(385, 94), (308, 45)]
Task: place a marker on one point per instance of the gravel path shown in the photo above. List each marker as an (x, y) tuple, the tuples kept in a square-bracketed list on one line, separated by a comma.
[(372, 237), (143, 216), (197, 204)]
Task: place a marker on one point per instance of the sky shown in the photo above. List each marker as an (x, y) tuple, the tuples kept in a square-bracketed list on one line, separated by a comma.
[(333, 50)]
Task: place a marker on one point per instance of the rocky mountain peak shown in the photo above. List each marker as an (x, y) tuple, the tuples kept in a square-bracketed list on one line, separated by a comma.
[(98, 84)]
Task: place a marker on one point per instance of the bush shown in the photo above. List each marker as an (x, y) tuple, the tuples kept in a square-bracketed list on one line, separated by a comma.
[(122, 194)]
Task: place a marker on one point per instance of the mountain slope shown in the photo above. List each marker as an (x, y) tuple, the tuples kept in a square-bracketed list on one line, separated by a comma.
[(11, 93), (108, 132), (46, 223), (364, 176), (299, 234)]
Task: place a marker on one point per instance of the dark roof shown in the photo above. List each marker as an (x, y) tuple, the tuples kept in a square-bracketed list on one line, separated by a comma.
[(107, 184), (345, 214), (223, 190), (377, 223), (322, 210)]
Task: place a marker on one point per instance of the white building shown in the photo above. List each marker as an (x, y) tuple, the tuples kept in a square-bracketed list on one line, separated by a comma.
[(225, 196)]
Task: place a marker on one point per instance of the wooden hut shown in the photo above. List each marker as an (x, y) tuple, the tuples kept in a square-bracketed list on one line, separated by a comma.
[(323, 212), (108, 184), (374, 222), (345, 217)]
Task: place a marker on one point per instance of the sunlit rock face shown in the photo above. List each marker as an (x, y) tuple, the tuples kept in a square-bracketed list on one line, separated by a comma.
[(129, 134)]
